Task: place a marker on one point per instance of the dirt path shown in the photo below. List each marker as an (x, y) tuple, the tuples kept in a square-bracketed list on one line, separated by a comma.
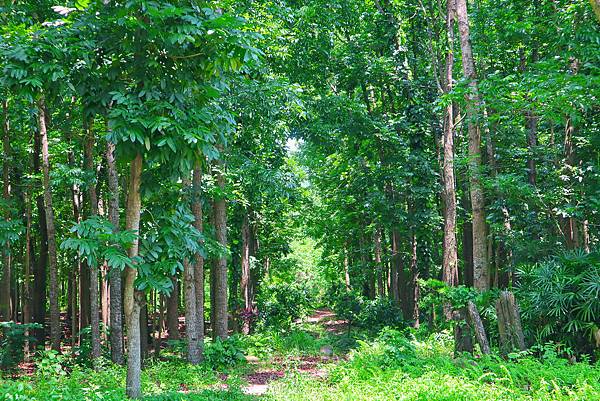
[(260, 379)]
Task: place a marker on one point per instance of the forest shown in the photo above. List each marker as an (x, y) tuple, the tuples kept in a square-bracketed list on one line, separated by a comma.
[(300, 200)]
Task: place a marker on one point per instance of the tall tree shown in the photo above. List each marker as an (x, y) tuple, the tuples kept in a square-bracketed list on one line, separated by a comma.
[(116, 306), (55, 326), (450, 257), (6, 307), (474, 125)]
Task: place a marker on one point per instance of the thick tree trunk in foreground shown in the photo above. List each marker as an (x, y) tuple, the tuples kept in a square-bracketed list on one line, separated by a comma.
[(480, 258), (450, 257), (93, 201), (509, 324), (116, 306), (6, 307), (477, 324), (132, 297), (55, 329), (220, 277), (198, 259)]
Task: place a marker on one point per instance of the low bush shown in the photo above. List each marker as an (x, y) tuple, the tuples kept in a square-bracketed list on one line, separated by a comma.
[(279, 305), (13, 337), (223, 354)]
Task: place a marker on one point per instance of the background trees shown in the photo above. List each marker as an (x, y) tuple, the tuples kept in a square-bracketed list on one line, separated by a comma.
[(152, 149)]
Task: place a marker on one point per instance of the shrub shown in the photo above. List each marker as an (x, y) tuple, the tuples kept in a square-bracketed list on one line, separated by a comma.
[(13, 337), (83, 352), (560, 299), (221, 354), (279, 305)]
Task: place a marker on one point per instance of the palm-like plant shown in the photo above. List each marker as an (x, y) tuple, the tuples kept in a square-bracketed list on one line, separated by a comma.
[(560, 298)]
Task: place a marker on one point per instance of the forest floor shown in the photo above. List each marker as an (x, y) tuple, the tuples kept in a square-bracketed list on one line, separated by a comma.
[(273, 368), (320, 358)]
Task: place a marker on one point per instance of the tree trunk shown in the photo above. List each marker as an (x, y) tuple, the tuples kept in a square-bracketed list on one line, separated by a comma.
[(245, 279), (450, 257), (173, 311), (532, 121), (39, 280), (27, 266), (6, 307), (396, 266), (132, 297), (191, 313), (116, 293), (463, 341), (509, 324), (477, 324), (480, 259), (220, 218), (55, 328), (346, 268), (93, 200), (414, 281), (379, 263), (198, 259)]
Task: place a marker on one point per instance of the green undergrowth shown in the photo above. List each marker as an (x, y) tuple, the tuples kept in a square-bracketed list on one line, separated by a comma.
[(394, 365)]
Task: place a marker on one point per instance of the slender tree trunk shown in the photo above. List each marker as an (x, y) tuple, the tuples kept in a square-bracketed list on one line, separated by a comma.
[(6, 307), (532, 121), (173, 311), (198, 259), (27, 266), (39, 280), (378, 263), (480, 258), (191, 313), (346, 268), (55, 328), (245, 279), (132, 297), (116, 293), (220, 218), (93, 200), (450, 257), (414, 281)]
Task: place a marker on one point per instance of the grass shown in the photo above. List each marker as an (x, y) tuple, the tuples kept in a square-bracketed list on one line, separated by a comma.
[(392, 366)]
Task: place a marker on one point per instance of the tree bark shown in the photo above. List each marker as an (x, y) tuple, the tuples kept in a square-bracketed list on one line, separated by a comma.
[(173, 311), (198, 259), (220, 218), (6, 307), (40, 277), (509, 324), (93, 200), (132, 297), (55, 327), (116, 292), (477, 324), (450, 256), (378, 262), (480, 258), (245, 278)]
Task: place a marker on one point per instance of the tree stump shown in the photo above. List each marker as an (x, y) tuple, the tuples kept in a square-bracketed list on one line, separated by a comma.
[(477, 324), (509, 324), (463, 341)]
